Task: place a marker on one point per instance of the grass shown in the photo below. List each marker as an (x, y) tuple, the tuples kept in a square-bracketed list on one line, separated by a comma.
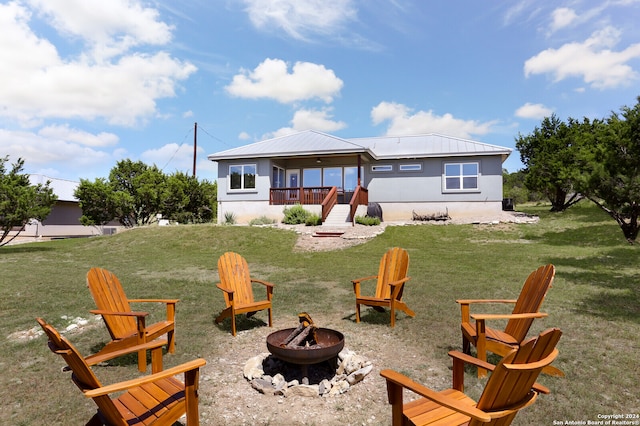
[(595, 300)]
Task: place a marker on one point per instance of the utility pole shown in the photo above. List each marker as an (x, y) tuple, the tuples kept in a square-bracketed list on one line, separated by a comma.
[(195, 146)]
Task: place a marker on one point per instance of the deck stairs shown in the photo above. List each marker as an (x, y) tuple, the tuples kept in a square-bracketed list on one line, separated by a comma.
[(338, 217)]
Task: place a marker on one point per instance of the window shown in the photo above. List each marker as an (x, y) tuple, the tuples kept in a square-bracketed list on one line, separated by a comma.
[(382, 168), (332, 176), (311, 177), (461, 176), (277, 178), (417, 167), (242, 176)]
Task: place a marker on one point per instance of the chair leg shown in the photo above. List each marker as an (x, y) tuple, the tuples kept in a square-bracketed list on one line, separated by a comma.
[(270, 318), (233, 325), (357, 312), (392, 307), (466, 346), (142, 361), (481, 354), (171, 336)]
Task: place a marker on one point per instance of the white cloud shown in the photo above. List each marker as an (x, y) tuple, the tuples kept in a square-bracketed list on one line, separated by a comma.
[(562, 17), (302, 19), (272, 80), (172, 158), (39, 83), (593, 60), (310, 119), (536, 111), (110, 27), (244, 136), (320, 120), (41, 152), (403, 122), (64, 133)]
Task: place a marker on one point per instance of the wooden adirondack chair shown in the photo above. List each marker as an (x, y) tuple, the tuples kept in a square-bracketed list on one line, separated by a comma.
[(526, 309), (236, 285), (156, 399), (392, 274), (510, 388), (126, 327)]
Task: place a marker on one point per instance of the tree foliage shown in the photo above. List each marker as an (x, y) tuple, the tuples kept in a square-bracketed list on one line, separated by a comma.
[(597, 159), (549, 156), (610, 167), (19, 200), (136, 193)]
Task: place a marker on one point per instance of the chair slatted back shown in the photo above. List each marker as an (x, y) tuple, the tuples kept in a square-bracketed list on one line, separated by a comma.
[(530, 300), (81, 373), (234, 275), (108, 295), (511, 381), (393, 267)]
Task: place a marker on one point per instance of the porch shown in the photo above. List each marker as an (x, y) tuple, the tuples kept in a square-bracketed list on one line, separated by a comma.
[(326, 196)]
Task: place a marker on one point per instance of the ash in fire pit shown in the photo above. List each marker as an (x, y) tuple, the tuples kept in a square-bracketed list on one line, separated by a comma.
[(306, 361)]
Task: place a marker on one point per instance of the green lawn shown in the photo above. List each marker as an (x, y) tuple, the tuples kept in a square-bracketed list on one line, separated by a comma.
[(595, 300)]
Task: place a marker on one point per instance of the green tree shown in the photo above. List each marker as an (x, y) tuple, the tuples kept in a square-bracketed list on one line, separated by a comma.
[(139, 192), (513, 187), (610, 165), (549, 156), (20, 201), (189, 200), (98, 202)]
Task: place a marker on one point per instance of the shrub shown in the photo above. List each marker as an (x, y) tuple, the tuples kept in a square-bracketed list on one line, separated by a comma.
[(313, 220), (262, 220), (368, 220), (295, 215), (229, 218)]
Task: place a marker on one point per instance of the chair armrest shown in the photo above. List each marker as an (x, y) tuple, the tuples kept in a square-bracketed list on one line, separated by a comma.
[(101, 357), (116, 387), (452, 403), (474, 301), (169, 301), (226, 290), (124, 314), (357, 280), (468, 359), (397, 286), (479, 317), (263, 282)]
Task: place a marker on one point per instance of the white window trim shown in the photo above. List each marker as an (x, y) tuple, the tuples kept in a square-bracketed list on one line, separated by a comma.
[(242, 189), (381, 168), (461, 177), (410, 167)]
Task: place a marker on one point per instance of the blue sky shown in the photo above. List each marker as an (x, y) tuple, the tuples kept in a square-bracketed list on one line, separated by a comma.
[(86, 83)]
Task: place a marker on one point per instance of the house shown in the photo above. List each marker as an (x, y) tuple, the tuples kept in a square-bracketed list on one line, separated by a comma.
[(64, 219), (428, 174)]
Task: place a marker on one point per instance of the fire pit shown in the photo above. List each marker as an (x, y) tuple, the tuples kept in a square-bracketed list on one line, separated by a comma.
[(288, 370), (327, 346)]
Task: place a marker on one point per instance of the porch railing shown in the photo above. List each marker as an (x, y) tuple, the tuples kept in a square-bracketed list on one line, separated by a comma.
[(360, 197), (329, 201), (326, 196), (307, 195)]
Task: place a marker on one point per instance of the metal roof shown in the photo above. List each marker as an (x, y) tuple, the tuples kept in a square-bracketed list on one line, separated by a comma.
[(429, 145), (311, 142), (64, 189), (307, 143)]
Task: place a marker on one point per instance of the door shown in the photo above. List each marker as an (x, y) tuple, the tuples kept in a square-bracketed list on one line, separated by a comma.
[(293, 178), (293, 181)]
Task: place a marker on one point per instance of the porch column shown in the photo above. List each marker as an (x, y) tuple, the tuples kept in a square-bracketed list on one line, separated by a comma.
[(358, 169)]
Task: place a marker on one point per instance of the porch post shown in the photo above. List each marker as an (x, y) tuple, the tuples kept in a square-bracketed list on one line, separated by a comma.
[(358, 169)]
